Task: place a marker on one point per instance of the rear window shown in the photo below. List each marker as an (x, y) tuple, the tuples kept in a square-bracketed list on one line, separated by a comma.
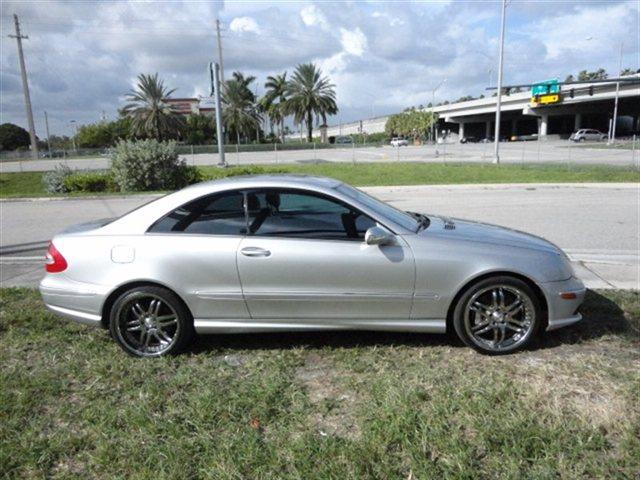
[(219, 214)]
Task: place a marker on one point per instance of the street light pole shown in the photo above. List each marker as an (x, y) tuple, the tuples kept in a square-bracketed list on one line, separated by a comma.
[(499, 98), (433, 104), (615, 105), (75, 125)]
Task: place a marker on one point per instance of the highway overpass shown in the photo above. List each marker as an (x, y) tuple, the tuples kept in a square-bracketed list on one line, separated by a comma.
[(584, 105)]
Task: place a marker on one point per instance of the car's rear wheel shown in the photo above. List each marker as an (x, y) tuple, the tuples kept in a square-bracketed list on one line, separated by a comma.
[(498, 315), (150, 321)]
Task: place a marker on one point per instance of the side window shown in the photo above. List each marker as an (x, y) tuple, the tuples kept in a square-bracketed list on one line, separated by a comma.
[(219, 214), (285, 213)]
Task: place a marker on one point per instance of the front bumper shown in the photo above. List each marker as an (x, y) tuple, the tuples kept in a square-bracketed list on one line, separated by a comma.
[(563, 311)]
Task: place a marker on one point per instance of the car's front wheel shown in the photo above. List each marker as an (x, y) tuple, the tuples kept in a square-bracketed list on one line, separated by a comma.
[(149, 321), (498, 315)]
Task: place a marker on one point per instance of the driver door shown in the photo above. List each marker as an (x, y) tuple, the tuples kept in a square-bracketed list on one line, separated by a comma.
[(305, 258)]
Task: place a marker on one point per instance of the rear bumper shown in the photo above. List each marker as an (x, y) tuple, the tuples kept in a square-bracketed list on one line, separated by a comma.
[(563, 311), (75, 301)]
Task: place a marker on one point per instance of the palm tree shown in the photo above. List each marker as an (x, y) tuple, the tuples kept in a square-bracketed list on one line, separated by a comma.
[(239, 112), (310, 94), (275, 99), (151, 115)]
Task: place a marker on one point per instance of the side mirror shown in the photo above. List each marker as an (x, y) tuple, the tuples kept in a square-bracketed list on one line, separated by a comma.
[(378, 236)]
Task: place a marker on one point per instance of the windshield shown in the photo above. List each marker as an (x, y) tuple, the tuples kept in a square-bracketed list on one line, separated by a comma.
[(397, 216)]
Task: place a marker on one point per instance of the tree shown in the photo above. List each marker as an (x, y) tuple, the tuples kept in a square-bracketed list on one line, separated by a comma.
[(310, 94), (13, 137), (96, 135), (275, 100), (628, 71), (413, 123), (585, 76), (151, 115), (239, 112), (199, 129)]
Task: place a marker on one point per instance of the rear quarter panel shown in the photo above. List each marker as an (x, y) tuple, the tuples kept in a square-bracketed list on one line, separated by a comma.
[(200, 269)]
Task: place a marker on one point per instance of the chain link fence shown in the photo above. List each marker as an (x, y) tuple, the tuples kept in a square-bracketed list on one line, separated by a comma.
[(623, 153)]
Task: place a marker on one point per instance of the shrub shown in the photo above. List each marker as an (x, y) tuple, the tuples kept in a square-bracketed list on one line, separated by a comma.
[(90, 182), (149, 165), (235, 171), (54, 180)]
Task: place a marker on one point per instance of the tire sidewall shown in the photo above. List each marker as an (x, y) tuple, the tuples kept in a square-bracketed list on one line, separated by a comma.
[(185, 320), (461, 305)]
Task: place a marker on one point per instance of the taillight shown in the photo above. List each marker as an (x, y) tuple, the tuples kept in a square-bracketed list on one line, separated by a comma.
[(55, 262)]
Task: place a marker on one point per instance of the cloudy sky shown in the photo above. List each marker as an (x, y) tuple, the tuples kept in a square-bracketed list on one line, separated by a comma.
[(83, 56)]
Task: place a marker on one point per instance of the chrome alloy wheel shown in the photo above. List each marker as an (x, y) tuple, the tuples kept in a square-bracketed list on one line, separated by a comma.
[(499, 318), (147, 325)]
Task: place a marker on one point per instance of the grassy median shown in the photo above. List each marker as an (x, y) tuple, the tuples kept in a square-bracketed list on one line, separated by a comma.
[(29, 184), (320, 405)]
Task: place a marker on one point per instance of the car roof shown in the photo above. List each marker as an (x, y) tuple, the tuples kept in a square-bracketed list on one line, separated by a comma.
[(267, 180)]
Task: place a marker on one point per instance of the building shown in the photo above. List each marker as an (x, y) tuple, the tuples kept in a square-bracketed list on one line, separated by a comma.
[(190, 106)]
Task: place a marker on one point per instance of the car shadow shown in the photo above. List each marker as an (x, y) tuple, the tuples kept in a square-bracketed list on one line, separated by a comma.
[(320, 339), (601, 317)]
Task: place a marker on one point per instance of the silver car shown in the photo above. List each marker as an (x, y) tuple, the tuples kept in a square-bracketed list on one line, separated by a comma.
[(274, 253), (587, 134)]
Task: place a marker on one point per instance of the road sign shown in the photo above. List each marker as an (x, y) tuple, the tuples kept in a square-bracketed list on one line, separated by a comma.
[(545, 93)]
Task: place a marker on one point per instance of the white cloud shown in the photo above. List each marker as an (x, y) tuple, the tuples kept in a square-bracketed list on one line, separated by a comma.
[(244, 24), (354, 42), (312, 16)]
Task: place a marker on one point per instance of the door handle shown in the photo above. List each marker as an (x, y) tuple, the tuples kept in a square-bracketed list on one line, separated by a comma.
[(255, 252)]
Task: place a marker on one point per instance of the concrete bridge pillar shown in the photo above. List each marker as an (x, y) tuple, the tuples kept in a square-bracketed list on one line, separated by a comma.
[(461, 130), (577, 123), (487, 129), (544, 122), (514, 126)]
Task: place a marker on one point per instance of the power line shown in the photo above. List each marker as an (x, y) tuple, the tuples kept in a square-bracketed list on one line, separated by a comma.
[(25, 86)]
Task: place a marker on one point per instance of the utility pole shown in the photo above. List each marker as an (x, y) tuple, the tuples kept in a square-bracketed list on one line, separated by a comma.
[(25, 87), (219, 50), (46, 123), (496, 158), (615, 105), (216, 91)]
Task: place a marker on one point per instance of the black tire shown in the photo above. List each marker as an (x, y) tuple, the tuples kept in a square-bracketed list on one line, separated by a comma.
[(529, 319), (132, 316)]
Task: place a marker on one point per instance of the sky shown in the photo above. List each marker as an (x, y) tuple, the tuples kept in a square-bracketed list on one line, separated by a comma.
[(82, 57)]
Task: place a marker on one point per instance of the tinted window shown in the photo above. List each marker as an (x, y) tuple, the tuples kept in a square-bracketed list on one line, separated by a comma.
[(221, 214), (286, 213)]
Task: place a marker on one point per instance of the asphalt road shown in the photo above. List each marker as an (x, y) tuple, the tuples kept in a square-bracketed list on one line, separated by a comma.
[(597, 224), (511, 152)]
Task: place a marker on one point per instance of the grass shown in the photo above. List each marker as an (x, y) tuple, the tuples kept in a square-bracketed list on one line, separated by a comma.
[(374, 174), (320, 405)]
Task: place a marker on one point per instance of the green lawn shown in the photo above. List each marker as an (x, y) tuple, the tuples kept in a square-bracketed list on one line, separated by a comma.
[(319, 405), (371, 174)]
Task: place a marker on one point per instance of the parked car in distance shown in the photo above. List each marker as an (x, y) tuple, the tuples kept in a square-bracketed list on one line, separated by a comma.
[(469, 139), (52, 154), (292, 252), (343, 140), (399, 142), (524, 138), (588, 134)]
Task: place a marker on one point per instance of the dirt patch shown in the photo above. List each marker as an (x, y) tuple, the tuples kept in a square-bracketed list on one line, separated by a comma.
[(332, 404), (578, 383)]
